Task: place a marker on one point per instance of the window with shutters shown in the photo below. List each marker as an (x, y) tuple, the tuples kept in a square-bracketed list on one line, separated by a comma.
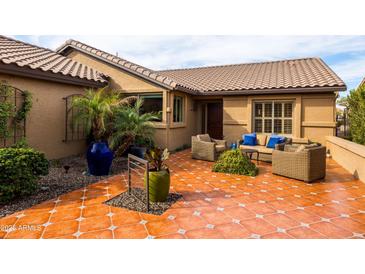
[(273, 117)]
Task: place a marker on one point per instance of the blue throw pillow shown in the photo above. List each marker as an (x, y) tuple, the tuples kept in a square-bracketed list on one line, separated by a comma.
[(249, 139), (274, 140)]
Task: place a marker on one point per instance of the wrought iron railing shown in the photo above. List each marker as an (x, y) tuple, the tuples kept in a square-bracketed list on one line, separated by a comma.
[(141, 168)]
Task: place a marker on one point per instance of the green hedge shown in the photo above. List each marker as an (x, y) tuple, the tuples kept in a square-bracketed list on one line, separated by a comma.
[(234, 162), (20, 169)]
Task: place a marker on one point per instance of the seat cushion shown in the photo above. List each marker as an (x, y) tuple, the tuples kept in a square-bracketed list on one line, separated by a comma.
[(261, 139), (220, 148), (204, 137), (261, 149)]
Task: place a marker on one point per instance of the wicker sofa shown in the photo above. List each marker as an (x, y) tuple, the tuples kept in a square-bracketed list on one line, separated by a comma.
[(302, 162), (262, 141), (205, 148)]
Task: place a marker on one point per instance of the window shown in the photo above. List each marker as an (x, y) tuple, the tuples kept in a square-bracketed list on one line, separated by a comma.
[(152, 103), (178, 114), (273, 117)]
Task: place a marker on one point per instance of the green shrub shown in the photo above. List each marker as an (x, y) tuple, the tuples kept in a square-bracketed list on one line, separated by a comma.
[(234, 162), (356, 106), (20, 169)]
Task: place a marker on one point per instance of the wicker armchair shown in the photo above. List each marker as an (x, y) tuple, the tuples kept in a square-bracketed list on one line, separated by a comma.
[(205, 148), (307, 165)]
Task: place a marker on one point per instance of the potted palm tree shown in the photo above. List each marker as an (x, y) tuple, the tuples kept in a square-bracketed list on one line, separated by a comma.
[(132, 129), (93, 110), (159, 174)]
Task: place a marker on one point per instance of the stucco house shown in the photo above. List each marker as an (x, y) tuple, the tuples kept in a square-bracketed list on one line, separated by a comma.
[(49, 77), (290, 97)]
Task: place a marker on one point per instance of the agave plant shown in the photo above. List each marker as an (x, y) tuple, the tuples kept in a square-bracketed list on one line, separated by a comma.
[(94, 109), (156, 157), (130, 125)]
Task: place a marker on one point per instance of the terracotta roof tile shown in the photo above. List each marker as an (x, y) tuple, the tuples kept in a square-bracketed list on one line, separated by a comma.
[(26, 55), (297, 73), (229, 79)]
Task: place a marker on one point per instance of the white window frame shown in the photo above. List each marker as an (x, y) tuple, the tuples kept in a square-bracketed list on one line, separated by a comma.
[(272, 117), (181, 115)]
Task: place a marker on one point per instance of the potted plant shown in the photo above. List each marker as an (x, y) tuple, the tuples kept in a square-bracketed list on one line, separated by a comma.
[(93, 110), (159, 174), (132, 129)]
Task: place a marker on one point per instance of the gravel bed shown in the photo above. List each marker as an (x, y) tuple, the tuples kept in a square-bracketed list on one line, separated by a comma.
[(58, 182), (137, 201)]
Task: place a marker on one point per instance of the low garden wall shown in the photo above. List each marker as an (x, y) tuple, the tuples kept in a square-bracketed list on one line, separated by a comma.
[(349, 155)]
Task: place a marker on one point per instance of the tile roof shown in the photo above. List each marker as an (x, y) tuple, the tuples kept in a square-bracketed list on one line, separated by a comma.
[(265, 76), (120, 62), (307, 73), (27, 56)]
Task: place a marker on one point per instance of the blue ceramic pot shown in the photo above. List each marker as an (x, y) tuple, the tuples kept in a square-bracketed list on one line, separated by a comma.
[(99, 159)]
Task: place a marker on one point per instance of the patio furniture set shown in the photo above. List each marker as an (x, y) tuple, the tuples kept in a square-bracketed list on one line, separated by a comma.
[(293, 158)]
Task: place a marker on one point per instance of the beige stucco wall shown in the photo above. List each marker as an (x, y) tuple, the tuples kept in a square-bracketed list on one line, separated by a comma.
[(313, 115), (180, 133), (45, 124), (349, 155)]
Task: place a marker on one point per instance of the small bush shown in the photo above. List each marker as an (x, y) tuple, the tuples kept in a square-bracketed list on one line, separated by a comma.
[(20, 169), (234, 162)]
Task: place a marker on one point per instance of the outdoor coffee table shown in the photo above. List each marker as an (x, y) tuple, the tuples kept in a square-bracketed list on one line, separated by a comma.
[(250, 151)]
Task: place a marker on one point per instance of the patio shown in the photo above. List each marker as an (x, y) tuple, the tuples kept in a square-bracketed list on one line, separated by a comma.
[(214, 205)]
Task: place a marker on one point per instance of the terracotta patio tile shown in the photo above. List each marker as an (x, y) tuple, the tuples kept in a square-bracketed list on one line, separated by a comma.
[(360, 217), (60, 229), (126, 218), (216, 218), (204, 233), (349, 224), (240, 213), (305, 233), (162, 227), (233, 231), (95, 210), (34, 219), (65, 215), (281, 220), (190, 222), (171, 236), (136, 231), (103, 234), (330, 230), (258, 226), (24, 233), (95, 223), (322, 211), (259, 208), (282, 205), (277, 235), (302, 216)]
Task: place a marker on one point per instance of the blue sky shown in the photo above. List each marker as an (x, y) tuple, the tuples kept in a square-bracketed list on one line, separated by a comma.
[(344, 54)]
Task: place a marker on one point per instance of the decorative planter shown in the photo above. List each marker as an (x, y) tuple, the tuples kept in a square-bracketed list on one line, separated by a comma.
[(159, 185), (99, 159), (138, 151)]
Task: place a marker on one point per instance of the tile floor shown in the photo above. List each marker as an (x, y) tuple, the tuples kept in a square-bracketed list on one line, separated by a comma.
[(214, 205)]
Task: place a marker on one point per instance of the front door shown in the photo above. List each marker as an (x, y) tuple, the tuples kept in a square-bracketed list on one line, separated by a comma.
[(215, 120)]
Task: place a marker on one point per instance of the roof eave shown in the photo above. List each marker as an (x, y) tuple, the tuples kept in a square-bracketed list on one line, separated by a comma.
[(275, 91), (65, 48), (48, 76)]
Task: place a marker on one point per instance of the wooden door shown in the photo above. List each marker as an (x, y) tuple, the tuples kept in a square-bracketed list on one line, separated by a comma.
[(215, 120)]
